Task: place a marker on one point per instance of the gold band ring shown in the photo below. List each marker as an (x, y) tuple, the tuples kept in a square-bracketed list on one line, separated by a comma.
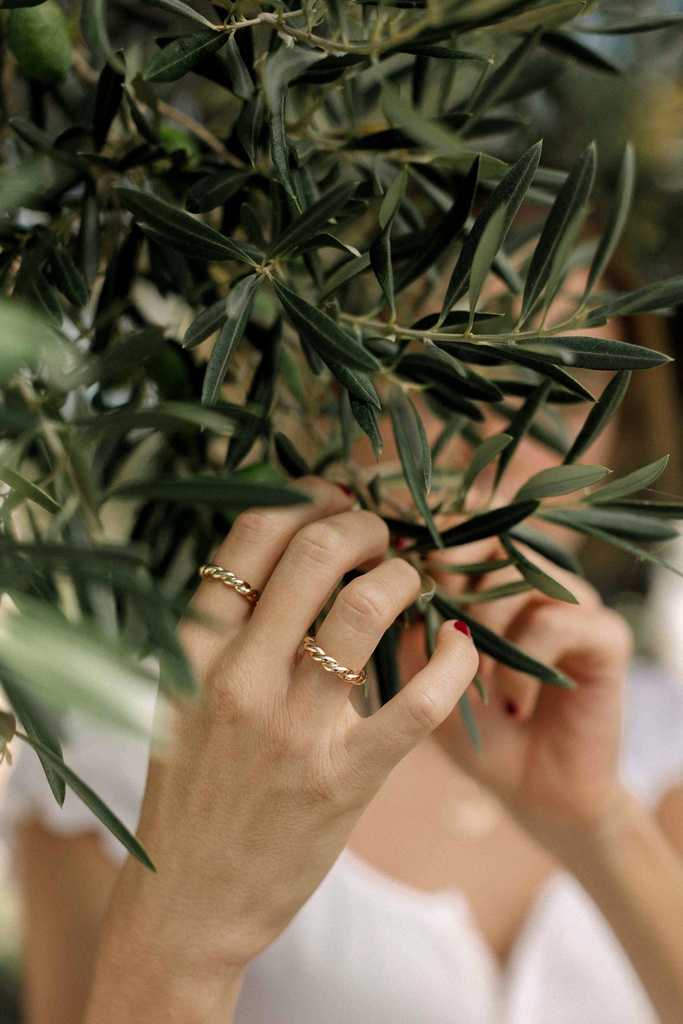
[(330, 665), (230, 580)]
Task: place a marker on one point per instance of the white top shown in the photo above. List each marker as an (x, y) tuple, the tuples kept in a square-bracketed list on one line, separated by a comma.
[(367, 948)]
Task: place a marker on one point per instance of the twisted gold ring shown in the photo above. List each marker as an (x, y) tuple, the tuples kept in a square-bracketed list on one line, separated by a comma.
[(330, 665), (230, 580)]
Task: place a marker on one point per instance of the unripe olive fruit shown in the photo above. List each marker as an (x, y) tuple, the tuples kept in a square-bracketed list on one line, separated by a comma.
[(39, 39)]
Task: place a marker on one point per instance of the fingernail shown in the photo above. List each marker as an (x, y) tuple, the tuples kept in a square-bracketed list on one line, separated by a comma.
[(400, 543), (346, 489), (462, 627), (510, 707)]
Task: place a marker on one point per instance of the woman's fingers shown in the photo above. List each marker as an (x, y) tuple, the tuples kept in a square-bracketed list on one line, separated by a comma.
[(378, 743), (252, 549), (315, 561), (359, 617)]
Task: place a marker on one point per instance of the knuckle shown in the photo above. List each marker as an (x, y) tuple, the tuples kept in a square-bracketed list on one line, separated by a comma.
[(365, 605), (256, 526), (423, 710), (319, 543)]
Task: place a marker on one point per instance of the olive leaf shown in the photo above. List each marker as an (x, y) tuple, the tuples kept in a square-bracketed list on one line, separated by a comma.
[(550, 483), (600, 415), (237, 309), (183, 54), (626, 485)]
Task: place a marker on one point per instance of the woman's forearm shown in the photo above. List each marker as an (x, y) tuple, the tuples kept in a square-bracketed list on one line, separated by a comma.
[(154, 966), (635, 876)]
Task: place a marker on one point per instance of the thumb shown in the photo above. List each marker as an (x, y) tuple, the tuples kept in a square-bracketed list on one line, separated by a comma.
[(423, 704)]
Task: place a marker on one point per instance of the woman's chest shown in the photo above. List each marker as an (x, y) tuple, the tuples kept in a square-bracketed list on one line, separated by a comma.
[(432, 828)]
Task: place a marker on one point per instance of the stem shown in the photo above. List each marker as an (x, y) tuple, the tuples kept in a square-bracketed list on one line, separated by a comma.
[(475, 339)]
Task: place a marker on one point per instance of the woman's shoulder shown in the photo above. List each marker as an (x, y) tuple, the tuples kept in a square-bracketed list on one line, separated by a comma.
[(652, 760)]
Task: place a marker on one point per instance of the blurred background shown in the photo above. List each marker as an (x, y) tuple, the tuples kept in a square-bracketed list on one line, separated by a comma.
[(575, 105)]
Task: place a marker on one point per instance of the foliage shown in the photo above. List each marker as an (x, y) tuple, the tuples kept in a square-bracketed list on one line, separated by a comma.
[(227, 255)]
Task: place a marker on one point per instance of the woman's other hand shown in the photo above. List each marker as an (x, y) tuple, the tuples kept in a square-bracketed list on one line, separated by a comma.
[(269, 769), (551, 754)]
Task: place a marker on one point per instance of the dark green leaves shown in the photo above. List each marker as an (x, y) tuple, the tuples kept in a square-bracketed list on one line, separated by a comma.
[(91, 800), (486, 524), (37, 725), (215, 189), (617, 220), (28, 489), (600, 415), (224, 492), (94, 30), (313, 219), (502, 650), (181, 55), (629, 484), (650, 299), (500, 207), (550, 483), (592, 353), (237, 308), (364, 415), (181, 9), (323, 334), (484, 454), (180, 232), (403, 427), (559, 233), (536, 577)]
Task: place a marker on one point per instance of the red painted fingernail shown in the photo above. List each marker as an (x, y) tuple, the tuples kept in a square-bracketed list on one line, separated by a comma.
[(510, 707), (400, 543), (346, 489), (462, 627)]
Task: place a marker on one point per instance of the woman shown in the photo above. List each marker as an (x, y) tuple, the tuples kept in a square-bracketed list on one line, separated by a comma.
[(425, 900)]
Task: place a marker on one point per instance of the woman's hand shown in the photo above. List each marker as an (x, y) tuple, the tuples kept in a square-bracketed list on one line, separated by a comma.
[(551, 754), (269, 770)]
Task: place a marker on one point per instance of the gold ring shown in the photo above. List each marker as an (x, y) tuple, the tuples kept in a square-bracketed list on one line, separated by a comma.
[(330, 665), (230, 580)]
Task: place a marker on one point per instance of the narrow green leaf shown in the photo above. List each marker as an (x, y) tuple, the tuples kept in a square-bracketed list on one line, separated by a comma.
[(364, 415), (108, 97), (224, 492), (393, 198), (292, 460), (666, 509), (380, 259), (180, 56), (237, 307), (240, 79), (206, 323), (487, 249), (536, 577), (495, 593), (614, 228), (626, 485), (445, 234), (501, 650), (620, 28), (560, 480), (413, 476), (559, 231), (570, 46), (313, 218), (91, 800), (28, 489), (486, 524), (279, 149), (508, 194), (181, 9), (470, 721), (325, 336), (484, 454), (88, 248), (650, 299), (627, 545), (425, 450), (385, 661), (37, 725), (633, 526), (68, 277), (520, 425), (176, 229), (499, 81), (94, 32), (356, 383), (600, 415), (249, 125), (547, 547), (591, 353)]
